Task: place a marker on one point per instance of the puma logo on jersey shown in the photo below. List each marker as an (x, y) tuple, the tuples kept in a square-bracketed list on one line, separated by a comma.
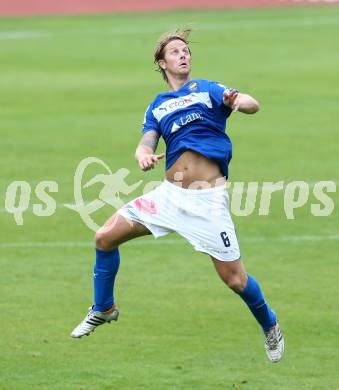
[(172, 105), (177, 103)]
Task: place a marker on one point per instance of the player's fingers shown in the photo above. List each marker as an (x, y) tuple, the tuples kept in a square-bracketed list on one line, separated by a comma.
[(233, 104), (234, 99), (150, 165), (158, 157), (150, 160), (235, 108), (233, 95), (143, 166)]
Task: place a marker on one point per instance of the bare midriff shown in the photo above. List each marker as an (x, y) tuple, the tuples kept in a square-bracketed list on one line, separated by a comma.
[(193, 170)]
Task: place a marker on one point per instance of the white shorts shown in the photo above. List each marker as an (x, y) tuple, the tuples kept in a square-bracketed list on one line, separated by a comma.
[(199, 215)]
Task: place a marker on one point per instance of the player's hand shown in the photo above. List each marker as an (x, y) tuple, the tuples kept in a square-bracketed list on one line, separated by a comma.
[(149, 161), (230, 100)]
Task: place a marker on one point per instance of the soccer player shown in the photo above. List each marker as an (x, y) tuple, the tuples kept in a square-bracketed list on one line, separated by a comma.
[(193, 201)]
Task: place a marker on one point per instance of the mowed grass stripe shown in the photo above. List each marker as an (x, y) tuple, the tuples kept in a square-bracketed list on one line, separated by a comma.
[(243, 24)]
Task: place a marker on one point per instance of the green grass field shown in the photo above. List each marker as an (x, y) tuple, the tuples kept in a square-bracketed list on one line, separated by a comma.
[(73, 87)]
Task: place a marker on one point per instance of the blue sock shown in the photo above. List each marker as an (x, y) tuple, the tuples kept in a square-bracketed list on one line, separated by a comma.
[(254, 298), (105, 270)]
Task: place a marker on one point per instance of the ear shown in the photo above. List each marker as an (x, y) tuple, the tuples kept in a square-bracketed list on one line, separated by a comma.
[(162, 64)]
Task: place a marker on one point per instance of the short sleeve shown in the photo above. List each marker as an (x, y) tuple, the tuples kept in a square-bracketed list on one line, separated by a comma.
[(150, 122), (216, 91)]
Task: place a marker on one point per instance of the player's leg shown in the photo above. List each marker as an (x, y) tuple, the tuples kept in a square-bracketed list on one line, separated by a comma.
[(234, 275), (116, 230)]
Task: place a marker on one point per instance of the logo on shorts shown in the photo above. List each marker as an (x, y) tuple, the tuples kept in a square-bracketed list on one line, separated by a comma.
[(145, 205)]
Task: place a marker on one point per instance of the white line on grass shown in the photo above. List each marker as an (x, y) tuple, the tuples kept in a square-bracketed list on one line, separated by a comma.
[(178, 241)]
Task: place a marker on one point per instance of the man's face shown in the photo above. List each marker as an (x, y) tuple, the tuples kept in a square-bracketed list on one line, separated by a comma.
[(177, 59)]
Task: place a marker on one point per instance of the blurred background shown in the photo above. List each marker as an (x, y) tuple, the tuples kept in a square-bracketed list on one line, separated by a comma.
[(75, 80)]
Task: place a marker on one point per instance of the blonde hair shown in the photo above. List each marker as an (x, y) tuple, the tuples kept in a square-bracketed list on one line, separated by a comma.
[(164, 40)]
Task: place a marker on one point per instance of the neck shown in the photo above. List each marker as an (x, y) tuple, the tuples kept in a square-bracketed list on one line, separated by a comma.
[(175, 83)]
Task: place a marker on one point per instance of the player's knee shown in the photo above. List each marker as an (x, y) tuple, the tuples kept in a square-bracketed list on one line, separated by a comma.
[(104, 242), (236, 283)]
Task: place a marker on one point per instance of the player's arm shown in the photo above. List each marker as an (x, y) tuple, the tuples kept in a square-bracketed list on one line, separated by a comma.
[(145, 153), (241, 102)]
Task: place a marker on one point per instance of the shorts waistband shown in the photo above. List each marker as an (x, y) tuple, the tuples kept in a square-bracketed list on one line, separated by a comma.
[(210, 190)]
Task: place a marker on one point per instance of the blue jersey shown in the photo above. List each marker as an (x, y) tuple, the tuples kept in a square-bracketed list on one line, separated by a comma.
[(192, 118)]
